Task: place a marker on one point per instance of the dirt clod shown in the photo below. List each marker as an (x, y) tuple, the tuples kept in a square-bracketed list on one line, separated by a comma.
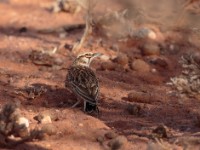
[(140, 97), (108, 66), (160, 132), (49, 129), (140, 66), (110, 135), (134, 109), (121, 59), (43, 119), (104, 58), (117, 143), (150, 48), (160, 62), (100, 139)]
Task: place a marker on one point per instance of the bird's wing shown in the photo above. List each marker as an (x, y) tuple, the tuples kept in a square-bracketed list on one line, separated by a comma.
[(84, 83)]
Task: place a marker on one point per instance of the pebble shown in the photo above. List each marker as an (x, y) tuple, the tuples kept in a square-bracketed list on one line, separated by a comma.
[(49, 129), (100, 139), (58, 61), (150, 48), (160, 62), (140, 66), (104, 57), (22, 121), (133, 109), (140, 97), (80, 125), (114, 47), (117, 143), (121, 59), (196, 57), (110, 135), (63, 35), (152, 35), (108, 66), (153, 70), (160, 132), (43, 119)]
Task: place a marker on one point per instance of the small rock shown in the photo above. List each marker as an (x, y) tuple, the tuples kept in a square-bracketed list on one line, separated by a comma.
[(108, 66), (196, 57), (121, 59), (42, 136), (46, 119), (58, 61), (22, 132), (80, 125), (152, 35), (49, 129), (140, 97), (21, 127), (100, 139), (68, 46), (54, 117), (114, 47), (23, 121), (161, 62), (150, 48), (110, 135), (172, 48), (117, 143), (43, 119), (63, 35), (140, 66), (134, 109), (143, 33), (104, 57), (160, 132), (153, 70)]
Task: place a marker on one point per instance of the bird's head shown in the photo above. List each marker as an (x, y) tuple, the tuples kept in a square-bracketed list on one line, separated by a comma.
[(85, 59)]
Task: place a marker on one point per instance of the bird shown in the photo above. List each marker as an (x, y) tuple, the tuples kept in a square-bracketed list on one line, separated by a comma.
[(82, 81)]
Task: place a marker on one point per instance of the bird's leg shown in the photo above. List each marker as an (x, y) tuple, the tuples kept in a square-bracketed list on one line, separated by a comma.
[(78, 102), (84, 106)]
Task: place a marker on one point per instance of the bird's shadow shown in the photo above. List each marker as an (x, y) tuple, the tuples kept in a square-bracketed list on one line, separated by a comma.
[(114, 112)]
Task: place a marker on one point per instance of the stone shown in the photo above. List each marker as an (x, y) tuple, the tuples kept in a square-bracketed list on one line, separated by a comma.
[(108, 66), (150, 48), (104, 57), (117, 143), (134, 109), (110, 135), (140, 66), (160, 132), (43, 119), (121, 59), (49, 129)]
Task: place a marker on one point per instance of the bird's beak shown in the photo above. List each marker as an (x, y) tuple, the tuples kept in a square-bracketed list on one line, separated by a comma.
[(97, 54)]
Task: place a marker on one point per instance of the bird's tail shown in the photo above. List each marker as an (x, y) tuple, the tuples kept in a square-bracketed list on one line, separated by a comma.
[(91, 107)]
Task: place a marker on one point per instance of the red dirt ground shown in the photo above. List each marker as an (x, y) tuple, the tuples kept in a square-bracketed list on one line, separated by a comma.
[(75, 129)]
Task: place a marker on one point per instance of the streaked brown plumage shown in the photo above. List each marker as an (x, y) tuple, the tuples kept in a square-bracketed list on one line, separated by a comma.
[(83, 82)]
